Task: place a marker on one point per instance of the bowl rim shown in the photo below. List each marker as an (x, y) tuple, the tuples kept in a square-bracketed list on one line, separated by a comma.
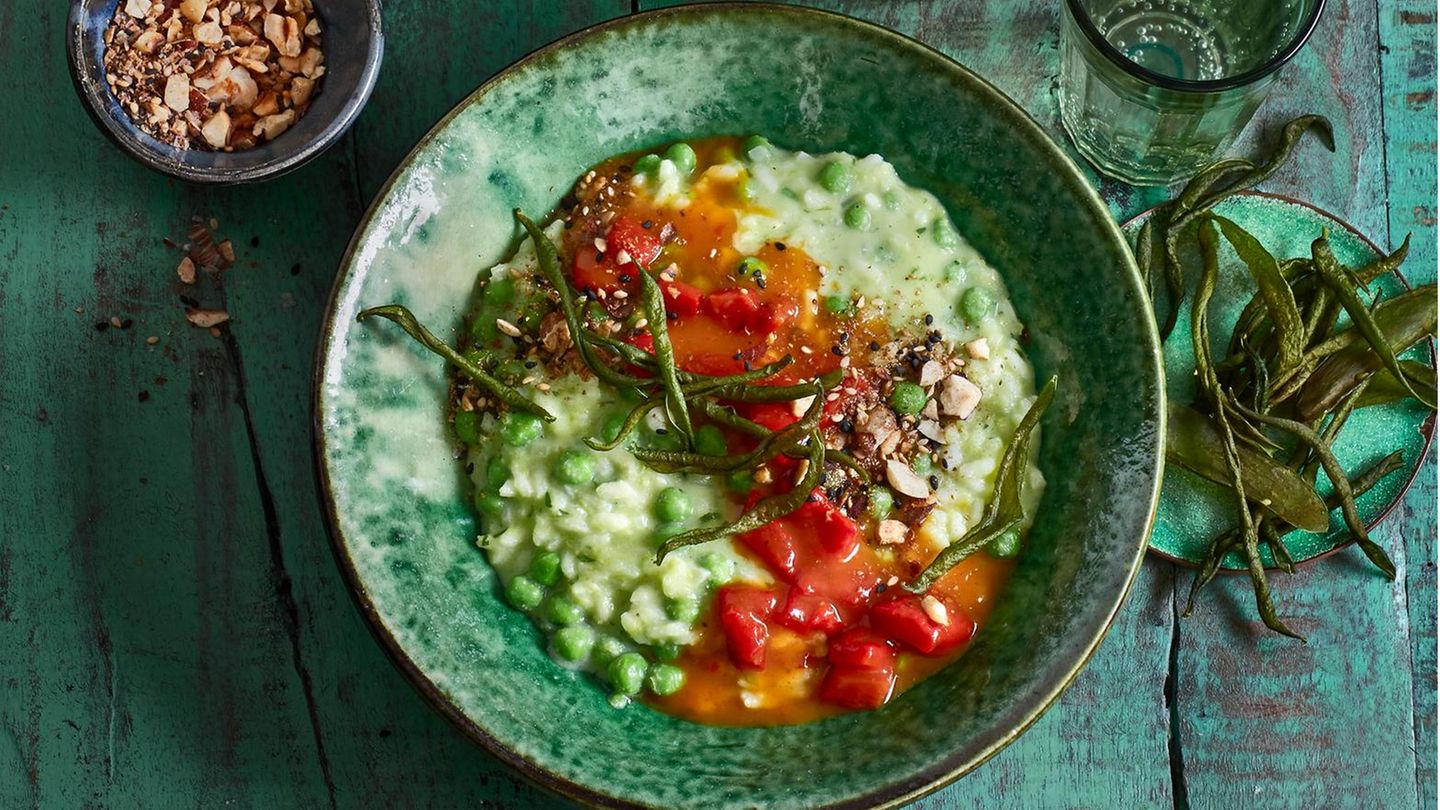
[(1427, 426), (90, 87), (927, 778)]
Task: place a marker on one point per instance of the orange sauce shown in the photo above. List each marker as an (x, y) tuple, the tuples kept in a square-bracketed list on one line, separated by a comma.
[(786, 689)]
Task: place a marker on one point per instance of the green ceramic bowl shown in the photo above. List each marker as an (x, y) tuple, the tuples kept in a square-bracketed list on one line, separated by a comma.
[(809, 80)]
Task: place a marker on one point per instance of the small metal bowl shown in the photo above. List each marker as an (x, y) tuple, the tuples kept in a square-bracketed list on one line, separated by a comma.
[(354, 46)]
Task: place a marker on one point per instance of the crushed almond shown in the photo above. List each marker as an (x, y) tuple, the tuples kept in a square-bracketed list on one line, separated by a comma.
[(978, 349), (958, 396), (218, 74), (892, 532), (936, 610), (206, 318)]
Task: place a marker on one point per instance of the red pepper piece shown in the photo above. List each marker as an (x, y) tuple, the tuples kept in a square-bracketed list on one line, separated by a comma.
[(590, 273), (774, 416), (775, 546), (681, 300), (735, 307), (904, 620), (861, 648), (744, 612), (628, 236), (836, 532), (809, 613), (856, 688), (771, 316)]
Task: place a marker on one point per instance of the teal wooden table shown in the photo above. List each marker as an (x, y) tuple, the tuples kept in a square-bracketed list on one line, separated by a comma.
[(174, 631)]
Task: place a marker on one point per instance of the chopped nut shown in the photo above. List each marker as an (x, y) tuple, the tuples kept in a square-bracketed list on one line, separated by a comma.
[(217, 129), (978, 348), (227, 252), (300, 90), (206, 318), (931, 373), (904, 480), (763, 476), (958, 396), (194, 10), (936, 610), (137, 8), (209, 33), (186, 270), (892, 532), (801, 405), (272, 126), (930, 429), (177, 92)]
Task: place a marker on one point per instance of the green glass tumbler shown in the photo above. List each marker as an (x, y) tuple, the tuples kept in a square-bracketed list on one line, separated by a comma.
[(1152, 90)]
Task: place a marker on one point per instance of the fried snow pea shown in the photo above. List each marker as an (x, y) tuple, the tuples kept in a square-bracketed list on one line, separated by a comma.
[(1004, 512), (677, 410), (406, 320)]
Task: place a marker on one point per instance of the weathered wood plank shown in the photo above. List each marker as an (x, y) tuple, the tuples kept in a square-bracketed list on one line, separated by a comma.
[(1407, 70)]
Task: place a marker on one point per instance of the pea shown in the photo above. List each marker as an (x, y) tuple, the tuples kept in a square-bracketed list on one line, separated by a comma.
[(608, 649), (977, 304), (667, 652), (467, 426), (683, 610), (666, 679), (524, 593), (1006, 545), (721, 568), (682, 156), (754, 142), (545, 568), (518, 429), (563, 610), (627, 673), (496, 474), (611, 427), (907, 398), (835, 177), (944, 233), (575, 467), (647, 164), (672, 505), (839, 305), (954, 272), (574, 643), (491, 508), (741, 482), (710, 441), (753, 266), (890, 200), (922, 465), (499, 292), (881, 502), (857, 216), (665, 531)]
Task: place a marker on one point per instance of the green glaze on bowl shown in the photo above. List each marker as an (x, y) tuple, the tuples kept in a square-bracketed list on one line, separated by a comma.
[(811, 80), (1192, 510)]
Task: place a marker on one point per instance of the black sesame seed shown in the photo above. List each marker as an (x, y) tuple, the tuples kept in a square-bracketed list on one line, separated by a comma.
[(779, 245), (531, 364), (874, 346), (470, 468), (914, 361), (844, 337), (836, 350), (880, 588), (626, 278), (846, 426), (737, 355), (929, 319), (934, 482), (945, 463), (747, 366), (647, 224), (759, 281), (661, 431), (672, 316)]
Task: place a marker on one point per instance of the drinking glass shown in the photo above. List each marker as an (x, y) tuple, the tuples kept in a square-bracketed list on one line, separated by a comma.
[(1152, 90)]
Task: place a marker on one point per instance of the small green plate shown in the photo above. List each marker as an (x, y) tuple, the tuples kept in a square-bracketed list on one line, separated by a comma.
[(1193, 510)]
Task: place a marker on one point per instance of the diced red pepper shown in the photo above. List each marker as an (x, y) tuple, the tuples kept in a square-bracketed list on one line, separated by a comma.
[(772, 415), (634, 239), (681, 300), (772, 316), (836, 532), (735, 307), (904, 620), (589, 273), (862, 648), (644, 340), (744, 612), (809, 613), (775, 546), (856, 688)]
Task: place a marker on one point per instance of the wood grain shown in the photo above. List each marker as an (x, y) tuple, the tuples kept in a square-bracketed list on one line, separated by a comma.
[(174, 626)]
